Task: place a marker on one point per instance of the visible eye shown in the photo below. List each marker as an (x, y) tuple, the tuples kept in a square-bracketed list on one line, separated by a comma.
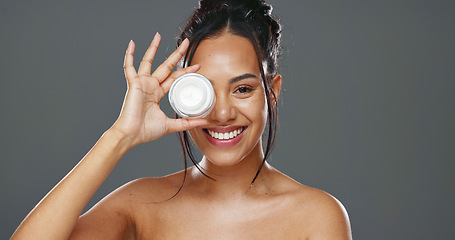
[(244, 89)]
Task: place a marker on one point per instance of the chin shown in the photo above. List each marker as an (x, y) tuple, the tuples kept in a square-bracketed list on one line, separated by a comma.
[(223, 161)]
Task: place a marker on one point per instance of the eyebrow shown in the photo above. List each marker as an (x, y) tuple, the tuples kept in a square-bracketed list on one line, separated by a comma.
[(241, 77)]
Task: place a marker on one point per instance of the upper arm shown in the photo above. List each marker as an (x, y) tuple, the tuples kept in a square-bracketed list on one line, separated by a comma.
[(108, 219)]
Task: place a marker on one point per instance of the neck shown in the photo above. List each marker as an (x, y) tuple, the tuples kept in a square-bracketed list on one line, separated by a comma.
[(230, 182)]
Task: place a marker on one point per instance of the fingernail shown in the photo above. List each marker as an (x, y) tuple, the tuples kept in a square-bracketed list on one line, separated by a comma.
[(157, 38), (130, 45), (184, 41), (195, 66)]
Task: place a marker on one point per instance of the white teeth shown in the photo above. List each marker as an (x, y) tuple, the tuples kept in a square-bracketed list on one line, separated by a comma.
[(225, 136)]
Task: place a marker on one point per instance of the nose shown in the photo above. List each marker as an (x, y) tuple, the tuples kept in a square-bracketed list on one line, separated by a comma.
[(224, 111)]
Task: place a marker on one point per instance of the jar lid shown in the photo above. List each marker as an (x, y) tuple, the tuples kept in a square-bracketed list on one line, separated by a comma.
[(192, 96)]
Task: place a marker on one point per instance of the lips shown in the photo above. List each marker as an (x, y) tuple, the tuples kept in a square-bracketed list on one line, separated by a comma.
[(224, 137)]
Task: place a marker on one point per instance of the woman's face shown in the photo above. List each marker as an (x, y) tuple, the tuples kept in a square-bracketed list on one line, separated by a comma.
[(239, 116)]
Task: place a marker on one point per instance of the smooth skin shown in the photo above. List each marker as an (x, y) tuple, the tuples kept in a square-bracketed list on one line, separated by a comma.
[(276, 207)]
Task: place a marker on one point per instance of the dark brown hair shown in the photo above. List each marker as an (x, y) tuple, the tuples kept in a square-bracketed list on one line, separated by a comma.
[(251, 19)]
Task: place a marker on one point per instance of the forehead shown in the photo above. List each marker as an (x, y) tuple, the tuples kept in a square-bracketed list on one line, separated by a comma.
[(226, 54)]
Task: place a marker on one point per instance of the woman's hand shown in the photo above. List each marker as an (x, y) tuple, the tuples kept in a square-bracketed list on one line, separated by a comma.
[(141, 119)]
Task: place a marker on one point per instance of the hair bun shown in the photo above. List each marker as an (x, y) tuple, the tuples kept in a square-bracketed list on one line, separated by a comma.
[(250, 8)]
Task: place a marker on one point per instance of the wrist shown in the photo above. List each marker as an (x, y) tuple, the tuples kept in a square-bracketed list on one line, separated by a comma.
[(122, 142)]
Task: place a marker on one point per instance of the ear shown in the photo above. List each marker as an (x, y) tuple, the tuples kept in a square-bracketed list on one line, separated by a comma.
[(276, 87)]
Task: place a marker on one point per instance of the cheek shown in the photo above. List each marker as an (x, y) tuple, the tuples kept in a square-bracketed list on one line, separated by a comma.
[(198, 138), (254, 108), (195, 134)]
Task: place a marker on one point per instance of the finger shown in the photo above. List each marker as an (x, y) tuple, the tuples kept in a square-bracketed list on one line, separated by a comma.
[(147, 60), (128, 66), (166, 84), (185, 124), (163, 71)]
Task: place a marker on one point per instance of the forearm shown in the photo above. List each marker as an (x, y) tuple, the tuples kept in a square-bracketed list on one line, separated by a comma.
[(57, 213)]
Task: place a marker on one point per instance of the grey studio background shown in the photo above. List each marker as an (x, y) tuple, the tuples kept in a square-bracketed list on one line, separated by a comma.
[(366, 111)]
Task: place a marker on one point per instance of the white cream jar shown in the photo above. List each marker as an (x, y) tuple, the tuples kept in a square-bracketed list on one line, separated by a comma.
[(192, 96)]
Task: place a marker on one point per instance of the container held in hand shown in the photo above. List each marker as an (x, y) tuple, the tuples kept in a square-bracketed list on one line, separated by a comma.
[(192, 96)]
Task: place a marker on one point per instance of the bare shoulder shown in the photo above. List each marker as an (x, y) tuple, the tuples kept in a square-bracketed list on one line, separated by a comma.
[(114, 217), (319, 214), (153, 189), (329, 218)]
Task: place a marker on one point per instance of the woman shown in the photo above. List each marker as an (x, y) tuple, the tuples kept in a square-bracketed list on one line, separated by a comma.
[(232, 193)]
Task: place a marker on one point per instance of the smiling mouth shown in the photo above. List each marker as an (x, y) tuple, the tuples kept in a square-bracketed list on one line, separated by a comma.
[(225, 135)]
